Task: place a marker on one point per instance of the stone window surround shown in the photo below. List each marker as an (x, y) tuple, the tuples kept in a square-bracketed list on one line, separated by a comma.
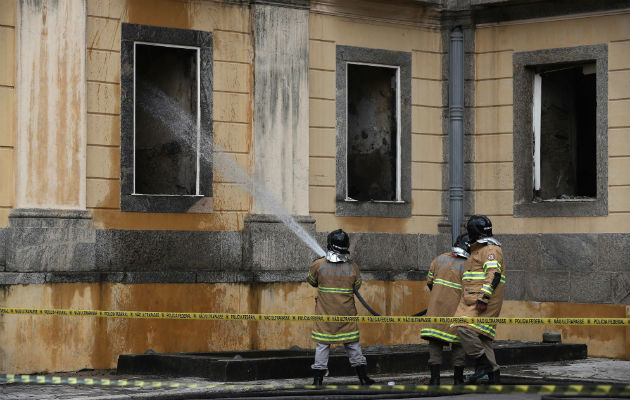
[(129, 201), (402, 60), (523, 138)]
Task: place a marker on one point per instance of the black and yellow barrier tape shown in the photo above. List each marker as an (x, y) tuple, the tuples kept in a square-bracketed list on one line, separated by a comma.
[(591, 390), (324, 318)]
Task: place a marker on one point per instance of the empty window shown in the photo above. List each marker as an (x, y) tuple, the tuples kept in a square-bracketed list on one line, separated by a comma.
[(166, 120), (564, 109), (373, 133), (560, 132), (373, 162)]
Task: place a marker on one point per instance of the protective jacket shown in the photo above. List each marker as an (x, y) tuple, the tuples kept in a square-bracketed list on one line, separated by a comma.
[(445, 276), (483, 280), (335, 283)]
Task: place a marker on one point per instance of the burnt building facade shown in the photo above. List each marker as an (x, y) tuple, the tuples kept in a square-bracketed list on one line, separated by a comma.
[(192, 155)]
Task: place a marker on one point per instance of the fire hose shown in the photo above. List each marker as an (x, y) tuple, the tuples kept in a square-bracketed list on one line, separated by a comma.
[(371, 310)]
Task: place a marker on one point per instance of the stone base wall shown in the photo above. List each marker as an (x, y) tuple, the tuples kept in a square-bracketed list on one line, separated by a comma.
[(64, 248), (34, 343), (576, 268), (43, 240)]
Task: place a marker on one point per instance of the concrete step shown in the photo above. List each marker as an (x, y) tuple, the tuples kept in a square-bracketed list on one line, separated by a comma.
[(238, 366)]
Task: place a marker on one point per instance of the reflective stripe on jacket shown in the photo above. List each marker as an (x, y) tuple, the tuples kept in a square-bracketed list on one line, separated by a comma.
[(446, 277), (335, 296), (485, 263)]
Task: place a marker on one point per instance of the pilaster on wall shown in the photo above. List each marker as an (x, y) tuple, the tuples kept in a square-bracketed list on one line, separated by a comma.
[(281, 135), (49, 228), (51, 105)]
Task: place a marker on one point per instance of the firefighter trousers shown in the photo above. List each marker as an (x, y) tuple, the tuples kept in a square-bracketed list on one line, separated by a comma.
[(355, 355), (436, 347), (475, 344)]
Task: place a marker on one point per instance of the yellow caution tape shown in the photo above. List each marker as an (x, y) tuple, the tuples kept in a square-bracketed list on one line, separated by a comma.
[(323, 318), (592, 390)]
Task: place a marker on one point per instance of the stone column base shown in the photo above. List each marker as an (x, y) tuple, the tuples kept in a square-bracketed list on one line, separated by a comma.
[(50, 240), (273, 252)]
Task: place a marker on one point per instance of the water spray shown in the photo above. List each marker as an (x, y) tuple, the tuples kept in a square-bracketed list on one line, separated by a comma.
[(179, 121)]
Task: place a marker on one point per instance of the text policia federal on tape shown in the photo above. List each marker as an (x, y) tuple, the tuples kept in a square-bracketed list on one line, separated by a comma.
[(326, 318)]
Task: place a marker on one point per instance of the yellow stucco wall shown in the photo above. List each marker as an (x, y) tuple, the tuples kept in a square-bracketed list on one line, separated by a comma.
[(232, 69), (7, 107), (327, 31), (43, 343), (32, 344), (55, 344), (494, 183), (233, 50)]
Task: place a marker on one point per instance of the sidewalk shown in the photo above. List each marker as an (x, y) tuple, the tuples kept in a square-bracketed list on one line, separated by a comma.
[(588, 371)]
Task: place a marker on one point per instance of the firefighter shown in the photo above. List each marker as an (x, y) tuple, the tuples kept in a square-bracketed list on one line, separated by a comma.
[(336, 277), (482, 296), (445, 283)]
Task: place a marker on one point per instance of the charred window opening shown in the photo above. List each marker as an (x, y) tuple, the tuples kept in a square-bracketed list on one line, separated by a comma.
[(166, 154), (560, 103), (565, 146), (165, 120), (373, 133), (373, 109)]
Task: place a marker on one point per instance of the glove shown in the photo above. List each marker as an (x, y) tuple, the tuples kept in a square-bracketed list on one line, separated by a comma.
[(481, 306)]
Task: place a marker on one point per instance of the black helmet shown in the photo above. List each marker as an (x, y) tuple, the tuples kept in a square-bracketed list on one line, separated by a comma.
[(479, 226), (339, 241), (461, 247)]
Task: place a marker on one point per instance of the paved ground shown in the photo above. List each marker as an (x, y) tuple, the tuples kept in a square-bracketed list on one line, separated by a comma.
[(589, 371)]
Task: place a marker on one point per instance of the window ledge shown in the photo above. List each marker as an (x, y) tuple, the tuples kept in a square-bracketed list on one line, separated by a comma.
[(568, 200), (562, 208), (166, 203), (390, 209), (168, 195), (351, 200)]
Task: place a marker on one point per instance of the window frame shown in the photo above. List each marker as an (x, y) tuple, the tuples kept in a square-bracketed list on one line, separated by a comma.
[(401, 62), (130, 201), (525, 64)]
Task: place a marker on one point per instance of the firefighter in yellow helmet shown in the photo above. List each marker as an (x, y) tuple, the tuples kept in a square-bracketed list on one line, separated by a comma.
[(482, 296), (445, 283), (335, 278)]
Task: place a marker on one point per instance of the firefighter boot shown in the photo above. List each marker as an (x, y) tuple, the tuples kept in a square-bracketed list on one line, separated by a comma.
[(362, 374), (458, 375), (318, 376), (494, 377), (482, 367), (435, 374)]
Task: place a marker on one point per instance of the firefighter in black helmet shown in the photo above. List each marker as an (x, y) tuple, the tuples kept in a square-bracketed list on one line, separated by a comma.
[(445, 283), (482, 296), (336, 277)]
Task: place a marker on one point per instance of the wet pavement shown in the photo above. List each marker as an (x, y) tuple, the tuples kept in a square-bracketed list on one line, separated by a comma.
[(586, 372)]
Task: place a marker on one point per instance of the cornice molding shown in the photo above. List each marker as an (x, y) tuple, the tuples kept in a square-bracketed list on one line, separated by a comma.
[(405, 12)]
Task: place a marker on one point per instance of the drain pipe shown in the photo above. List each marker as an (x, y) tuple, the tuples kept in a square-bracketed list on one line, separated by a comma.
[(456, 131)]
